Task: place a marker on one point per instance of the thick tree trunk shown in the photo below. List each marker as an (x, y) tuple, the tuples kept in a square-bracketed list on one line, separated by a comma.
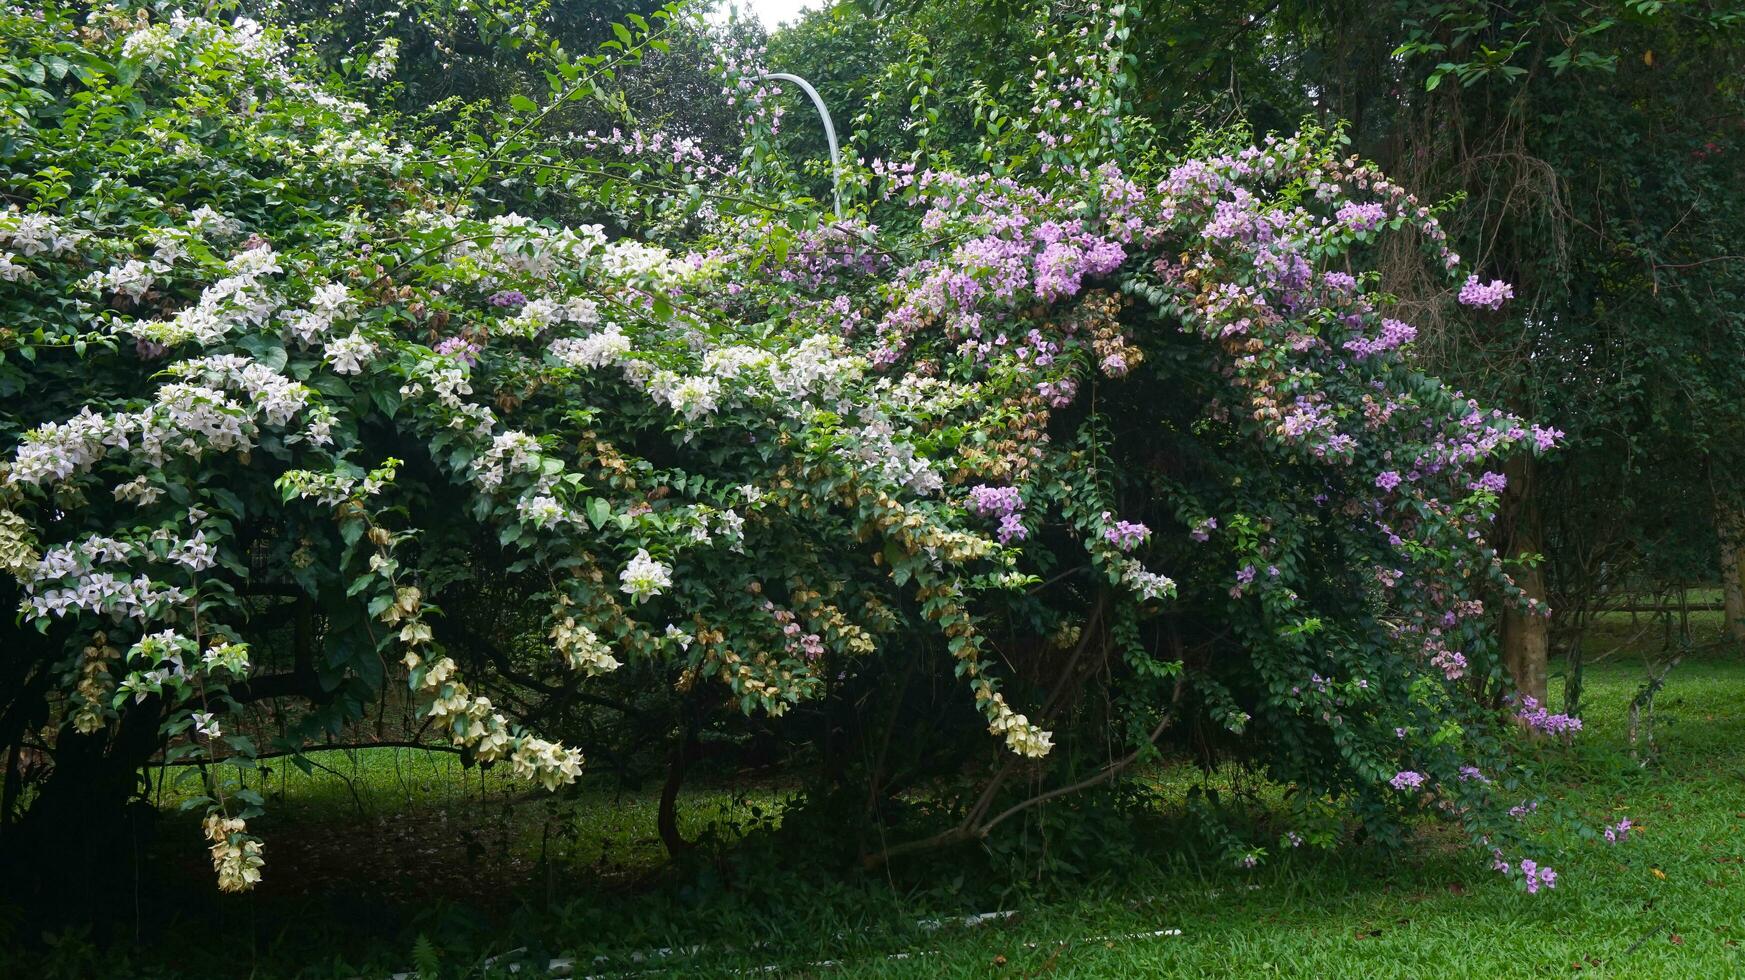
[(667, 816), (1525, 637), (82, 834), (1526, 632), (1730, 525)]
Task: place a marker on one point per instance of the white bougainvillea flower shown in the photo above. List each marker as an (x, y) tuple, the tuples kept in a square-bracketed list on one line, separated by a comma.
[(644, 577)]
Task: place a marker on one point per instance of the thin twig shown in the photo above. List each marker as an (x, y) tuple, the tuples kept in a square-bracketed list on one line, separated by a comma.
[(219, 760)]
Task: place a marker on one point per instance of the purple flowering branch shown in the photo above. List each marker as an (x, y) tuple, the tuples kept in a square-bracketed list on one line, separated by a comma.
[(1537, 718)]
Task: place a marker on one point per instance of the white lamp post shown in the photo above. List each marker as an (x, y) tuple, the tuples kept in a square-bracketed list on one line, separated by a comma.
[(829, 132)]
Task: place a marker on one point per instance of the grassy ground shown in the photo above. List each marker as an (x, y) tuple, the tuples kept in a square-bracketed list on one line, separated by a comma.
[(1668, 903), (391, 827), (339, 900)]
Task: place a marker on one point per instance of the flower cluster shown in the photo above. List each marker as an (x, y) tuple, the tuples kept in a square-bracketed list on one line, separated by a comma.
[(131, 279), (1021, 736), (329, 302), (1489, 296), (461, 349), (545, 762), (799, 643), (1003, 503), (96, 684), (382, 62), (94, 575), (190, 418), (1538, 718), (245, 296), (579, 646), (596, 350), (1544, 438), (1124, 535), (643, 577), (349, 354), (693, 397), (1394, 334), (1536, 877), (472, 722), (1148, 585), (1361, 216), (236, 855), (33, 236)]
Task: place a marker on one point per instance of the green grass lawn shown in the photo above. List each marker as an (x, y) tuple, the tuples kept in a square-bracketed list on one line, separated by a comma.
[(371, 834), (1669, 903)]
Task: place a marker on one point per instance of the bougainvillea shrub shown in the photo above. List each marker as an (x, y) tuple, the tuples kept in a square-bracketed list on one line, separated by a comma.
[(1136, 447)]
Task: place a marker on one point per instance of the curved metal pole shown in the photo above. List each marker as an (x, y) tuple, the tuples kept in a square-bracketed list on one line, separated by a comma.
[(829, 131)]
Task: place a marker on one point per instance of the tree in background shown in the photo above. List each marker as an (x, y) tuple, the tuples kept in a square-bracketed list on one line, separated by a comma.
[(440, 57)]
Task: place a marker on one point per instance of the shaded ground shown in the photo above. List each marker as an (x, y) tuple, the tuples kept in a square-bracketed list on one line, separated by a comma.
[(398, 826), (496, 868)]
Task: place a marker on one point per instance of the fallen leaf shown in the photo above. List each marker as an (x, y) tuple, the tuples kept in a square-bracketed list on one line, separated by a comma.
[(1456, 888), (1677, 940), (1658, 873), (999, 959)]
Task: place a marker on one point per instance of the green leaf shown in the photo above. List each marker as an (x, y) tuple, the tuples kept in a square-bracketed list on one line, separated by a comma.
[(598, 511), (521, 103)]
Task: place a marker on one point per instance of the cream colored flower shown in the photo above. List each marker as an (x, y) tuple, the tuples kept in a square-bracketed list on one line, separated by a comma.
[(581, 648), (236, 855)]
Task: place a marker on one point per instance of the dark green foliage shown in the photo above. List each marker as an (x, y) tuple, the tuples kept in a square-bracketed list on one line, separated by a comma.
[(1593, 156)]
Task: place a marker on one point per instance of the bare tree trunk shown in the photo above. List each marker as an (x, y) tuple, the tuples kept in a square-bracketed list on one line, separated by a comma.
[(1574, 662), (1526, 632), (64, 859), (1642, 711), (667, 816), (1730, 527)]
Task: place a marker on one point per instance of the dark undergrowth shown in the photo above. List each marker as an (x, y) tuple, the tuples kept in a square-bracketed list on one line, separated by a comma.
[(388, 861)]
